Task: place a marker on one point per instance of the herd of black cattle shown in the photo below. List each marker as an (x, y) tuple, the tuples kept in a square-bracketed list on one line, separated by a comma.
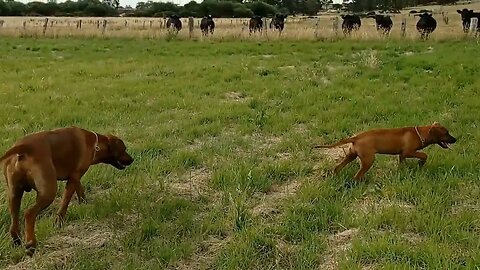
[(425, 25)]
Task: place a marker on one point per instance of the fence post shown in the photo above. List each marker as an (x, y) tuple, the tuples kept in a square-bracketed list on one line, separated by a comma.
[(335, 25), (126, 23), (445, 18), (190, 26), (104, 26), (473, 25), (265, 27), (143, 25), (151, 22), (317, 28), (45, 26), (403, 27), (1, 23)]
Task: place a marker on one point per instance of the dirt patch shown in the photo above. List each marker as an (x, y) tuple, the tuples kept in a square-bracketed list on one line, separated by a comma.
[(236, 96), (338, 244), (335, 154), (58, 249), (269, 201), (263, 142), (286, 67), (192, 184)]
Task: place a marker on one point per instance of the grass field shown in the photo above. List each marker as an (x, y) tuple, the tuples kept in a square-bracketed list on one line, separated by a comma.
[(224, 174)]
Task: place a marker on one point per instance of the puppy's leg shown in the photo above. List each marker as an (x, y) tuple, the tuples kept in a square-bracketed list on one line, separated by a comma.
[(46, 185), (14, 202), (70, 188), (351, 156), (80, 193), (420, 155), (366, 160), (15, 195)]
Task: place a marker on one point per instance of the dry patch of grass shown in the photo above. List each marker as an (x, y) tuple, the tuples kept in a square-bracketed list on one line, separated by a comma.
[(338, 244), (236, 96), (204, 255), (59, 248), (193, 184), (270, 201), (370, 205)]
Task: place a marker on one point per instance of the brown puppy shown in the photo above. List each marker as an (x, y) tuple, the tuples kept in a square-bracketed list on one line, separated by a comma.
[(38, 160), (404, 142)]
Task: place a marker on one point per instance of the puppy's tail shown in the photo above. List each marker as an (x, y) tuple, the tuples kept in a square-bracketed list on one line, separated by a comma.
[(20, 149), (342, 142)]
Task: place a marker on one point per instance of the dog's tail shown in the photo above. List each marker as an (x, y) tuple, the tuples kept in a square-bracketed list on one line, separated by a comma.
[(20, 149), (342, 142)]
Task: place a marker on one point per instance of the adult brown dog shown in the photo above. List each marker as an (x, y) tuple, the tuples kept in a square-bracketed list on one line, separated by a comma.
[(38, 160), (404, 142)]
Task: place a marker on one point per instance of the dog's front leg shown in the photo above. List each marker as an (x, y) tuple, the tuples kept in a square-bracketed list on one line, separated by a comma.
[(80, 193), (67, 196), (420, 155)]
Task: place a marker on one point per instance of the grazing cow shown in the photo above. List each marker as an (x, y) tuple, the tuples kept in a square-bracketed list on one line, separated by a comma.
[(207, 25), (384, 23), (426, 25), (255, 24), (278, 22), (350, 22), (174, 23), (467, 15)]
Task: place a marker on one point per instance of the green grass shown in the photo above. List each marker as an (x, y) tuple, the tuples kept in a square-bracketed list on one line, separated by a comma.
[(243, 116)]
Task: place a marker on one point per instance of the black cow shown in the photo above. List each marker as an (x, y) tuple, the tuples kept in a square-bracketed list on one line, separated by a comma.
[(350, 22), (426, 25), (174, 23), (278, 22), (384, 23), (207, 25), (255, 24), (467, 15)]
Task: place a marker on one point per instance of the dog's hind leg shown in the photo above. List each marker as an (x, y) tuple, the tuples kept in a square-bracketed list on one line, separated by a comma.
[(351, 156), (14, 202), (366, 161), (46, 185), (15, 193)]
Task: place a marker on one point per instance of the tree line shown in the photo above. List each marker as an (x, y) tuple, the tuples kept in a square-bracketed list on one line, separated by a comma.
[(216, 8)]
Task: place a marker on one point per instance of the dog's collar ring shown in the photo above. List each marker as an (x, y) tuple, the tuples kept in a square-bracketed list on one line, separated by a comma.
[(97, 148)]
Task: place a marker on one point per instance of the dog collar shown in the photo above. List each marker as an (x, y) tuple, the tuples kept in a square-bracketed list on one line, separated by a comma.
[(422, 140)]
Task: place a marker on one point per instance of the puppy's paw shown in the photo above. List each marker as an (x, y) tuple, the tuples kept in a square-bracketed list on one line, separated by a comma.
[(59, 221), (17, 241), (30, 248)]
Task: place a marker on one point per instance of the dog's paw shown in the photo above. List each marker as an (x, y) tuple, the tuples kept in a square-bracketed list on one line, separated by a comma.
[(30, 248), (59, 220), (17, 242)]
